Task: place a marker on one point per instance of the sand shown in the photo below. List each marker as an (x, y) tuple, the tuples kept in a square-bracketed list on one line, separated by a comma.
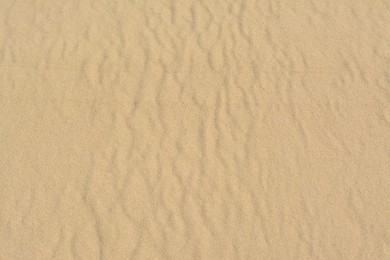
[(194, 129)]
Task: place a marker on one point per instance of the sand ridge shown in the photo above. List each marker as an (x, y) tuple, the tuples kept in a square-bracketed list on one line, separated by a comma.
[(194, 129)]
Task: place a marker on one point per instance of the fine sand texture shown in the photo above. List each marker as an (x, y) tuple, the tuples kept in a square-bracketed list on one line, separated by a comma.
[(194, 129)]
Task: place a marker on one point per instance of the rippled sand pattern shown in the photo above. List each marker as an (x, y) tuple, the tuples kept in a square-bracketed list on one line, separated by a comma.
[(194, 129)]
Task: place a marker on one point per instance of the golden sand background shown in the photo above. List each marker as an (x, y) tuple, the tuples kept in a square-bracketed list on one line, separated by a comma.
[(194, 129)]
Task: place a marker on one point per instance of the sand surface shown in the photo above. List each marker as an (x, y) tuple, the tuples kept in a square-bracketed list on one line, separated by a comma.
[(194, 129)]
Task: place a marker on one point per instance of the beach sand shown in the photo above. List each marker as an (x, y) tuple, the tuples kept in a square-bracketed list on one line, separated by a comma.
[(194, 129)]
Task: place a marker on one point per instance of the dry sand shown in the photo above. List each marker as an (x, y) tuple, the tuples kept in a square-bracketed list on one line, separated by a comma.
[(194, 129)]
